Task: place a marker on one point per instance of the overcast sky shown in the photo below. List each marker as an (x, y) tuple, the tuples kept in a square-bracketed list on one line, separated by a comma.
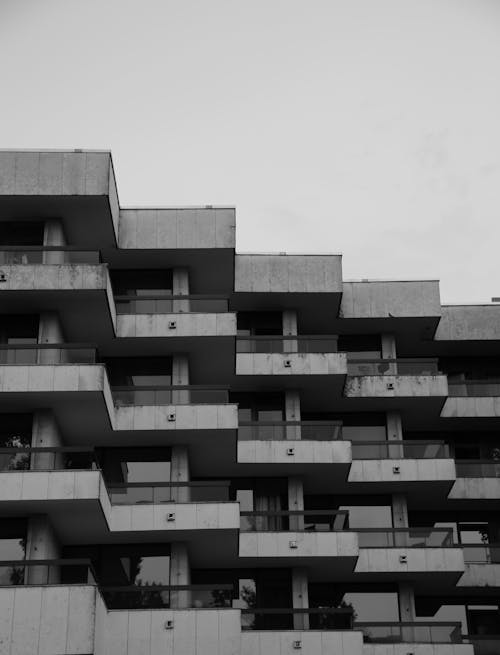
[(366, 127)]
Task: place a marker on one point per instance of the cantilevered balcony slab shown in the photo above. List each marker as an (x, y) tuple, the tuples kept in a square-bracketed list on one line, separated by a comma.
[(308, 284), (476, 407), (312, 642), (473, 323), (410, 310), (482, 483), (43, 620), (202, 239), (418, 647), (76, 187), (80, 293)]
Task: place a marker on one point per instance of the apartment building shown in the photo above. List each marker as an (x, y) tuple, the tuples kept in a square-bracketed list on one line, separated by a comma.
[(207, 453)]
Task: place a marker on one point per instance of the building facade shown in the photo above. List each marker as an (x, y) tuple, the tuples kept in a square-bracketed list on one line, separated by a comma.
[(219, 454)]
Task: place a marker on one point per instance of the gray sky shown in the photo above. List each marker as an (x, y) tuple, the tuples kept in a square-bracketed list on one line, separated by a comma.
[(366, 127)]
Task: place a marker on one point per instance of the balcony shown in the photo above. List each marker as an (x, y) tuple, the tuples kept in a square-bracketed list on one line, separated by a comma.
[(407, 385), (70, 281), (482, 567), (418, 467), (473, 399), (291, 362), (412, 552), (316, 539), (484, 644), (477, 480), (413, 633)]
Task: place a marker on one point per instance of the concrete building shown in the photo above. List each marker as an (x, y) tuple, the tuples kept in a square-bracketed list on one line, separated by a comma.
[(206, 453)]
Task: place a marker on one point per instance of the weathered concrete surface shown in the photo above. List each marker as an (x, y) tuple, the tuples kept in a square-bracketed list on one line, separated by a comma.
[(194, 632), (418, 649), (469, 323), (473, 407), (480, 575), (59, 277), (300, 364), (475, 488), (384, 299), (288, 273), (313, 642), (403, 386), (60, 377), (177, 228), (188, 516), (187, 417), (50, 485), (305, 452), (410, 470), (309, 544), (47, 620), (419, 560), (186, 325)]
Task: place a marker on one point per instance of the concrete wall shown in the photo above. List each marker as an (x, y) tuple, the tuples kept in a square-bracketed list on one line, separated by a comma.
[(418, 649), (188, 516), (469, 322), (300, 364), (410, 470), (404, 386), (475, 488), (270, 642), (50, 485), (419, 560), (55, 620), (187, 417), (305, 452), (480, 575), (465, 407), (177, 228), (57, 277), (193, 632), (62, 377), (186, 325), (288, 273), (399, 299), (309, 544)]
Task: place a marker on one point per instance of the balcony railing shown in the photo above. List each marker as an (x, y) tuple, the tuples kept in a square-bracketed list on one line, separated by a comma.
[(477, 468), (397, 633), (407, 537), (399, 449), (315, 618), (484, 644), (12, 255), (474, 388), (47, 353), (287, 344), (45, 572), (166, 596), (481, 553), (295, 521), (290, 430), (47, 459), (171, 304), (141, 493), (170, 395), (419, 366)]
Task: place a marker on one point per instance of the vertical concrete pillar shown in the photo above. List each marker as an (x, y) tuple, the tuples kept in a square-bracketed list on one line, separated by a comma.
[(42, 543), (289, 323), (179, 472), (296, 502), (394, 428), (180, 376), (180, 287), (400, 518), (50, 331), (45, 434), (389, 351), (406, 599), (300, 598), (292, 414), (53, 235), (179, 575)]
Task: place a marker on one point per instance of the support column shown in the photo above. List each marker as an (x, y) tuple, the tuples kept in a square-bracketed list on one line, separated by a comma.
[(289, 323), (292, 414), (300, 597), (50, 331), (400, 518), (53, 235), (394, 428), (406, 599), (45, 434), (180, 287), (42, 543), (179, 472), (389, 351), (296, 502), (180, 376), (180, 574)]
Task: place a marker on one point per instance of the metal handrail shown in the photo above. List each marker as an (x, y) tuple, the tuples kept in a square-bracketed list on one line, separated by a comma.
[(316, 512), (126, 485), (48, 248), (399, 442), (47, 449), (177, 387), (172, 297), (198, 587), (282, 337), (38, 562), (297, 610), (47, 346), (328, 424), (394, 360)]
